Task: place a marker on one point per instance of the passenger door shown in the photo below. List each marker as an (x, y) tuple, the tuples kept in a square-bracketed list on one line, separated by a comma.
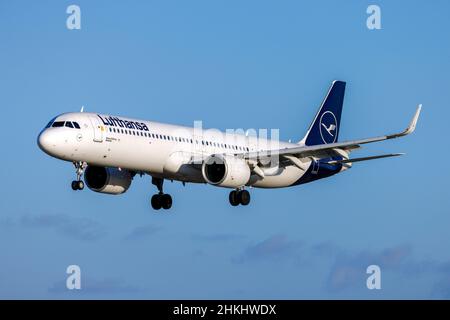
[(98, 128)]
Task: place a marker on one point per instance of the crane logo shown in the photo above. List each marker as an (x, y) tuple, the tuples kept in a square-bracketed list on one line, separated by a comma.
[(328, 127)]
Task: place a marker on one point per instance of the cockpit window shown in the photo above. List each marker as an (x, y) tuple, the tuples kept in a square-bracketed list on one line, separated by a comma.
[(58, 124), (67, 124)]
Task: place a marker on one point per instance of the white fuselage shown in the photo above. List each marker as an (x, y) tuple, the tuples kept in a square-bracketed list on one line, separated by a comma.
[(160, 150)]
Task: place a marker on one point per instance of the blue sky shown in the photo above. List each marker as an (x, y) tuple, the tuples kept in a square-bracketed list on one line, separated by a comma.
[(231, 64)]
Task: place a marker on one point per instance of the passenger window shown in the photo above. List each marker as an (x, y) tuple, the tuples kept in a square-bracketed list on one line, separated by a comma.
[(69, 124), (58, 124)]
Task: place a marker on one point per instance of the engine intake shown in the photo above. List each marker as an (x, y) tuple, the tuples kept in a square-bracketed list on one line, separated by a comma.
[(225, 171), (107, 180)]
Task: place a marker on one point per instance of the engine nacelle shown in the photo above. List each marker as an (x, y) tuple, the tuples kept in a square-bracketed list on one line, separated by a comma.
[(107, 180), (225, 171)]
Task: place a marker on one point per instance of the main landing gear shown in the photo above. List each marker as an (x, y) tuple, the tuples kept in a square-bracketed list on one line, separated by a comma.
[(161, 199), (238, 197), (80, 167)]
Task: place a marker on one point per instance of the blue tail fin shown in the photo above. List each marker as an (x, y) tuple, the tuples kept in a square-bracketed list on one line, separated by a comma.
[(325, 126)]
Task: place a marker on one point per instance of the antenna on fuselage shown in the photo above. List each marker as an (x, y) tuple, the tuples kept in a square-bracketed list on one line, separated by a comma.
[(82, 109)]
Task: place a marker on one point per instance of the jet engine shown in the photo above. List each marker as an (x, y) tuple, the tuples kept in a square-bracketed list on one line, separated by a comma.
[(225, 171), (107, 180)]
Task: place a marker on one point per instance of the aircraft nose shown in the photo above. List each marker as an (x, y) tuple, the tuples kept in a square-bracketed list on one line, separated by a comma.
[(46, 141)]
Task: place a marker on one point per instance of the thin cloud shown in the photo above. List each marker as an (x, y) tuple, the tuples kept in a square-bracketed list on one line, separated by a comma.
[(349, 270), (142, 232), (273, 248), (83, 229), (222, 237)]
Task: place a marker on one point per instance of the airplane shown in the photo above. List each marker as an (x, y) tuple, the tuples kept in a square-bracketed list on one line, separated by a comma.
[(109, 151)]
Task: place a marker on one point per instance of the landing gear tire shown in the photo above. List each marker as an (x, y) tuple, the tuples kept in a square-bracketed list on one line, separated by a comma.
[(244, 197), (238, 197), (156, 201), (161, 200), (233, 197), (166, 201), (77, 185)]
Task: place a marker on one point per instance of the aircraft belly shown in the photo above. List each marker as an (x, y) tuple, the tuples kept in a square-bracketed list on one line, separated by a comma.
[(287, 177)]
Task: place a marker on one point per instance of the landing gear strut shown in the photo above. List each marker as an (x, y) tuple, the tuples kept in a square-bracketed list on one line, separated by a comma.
[(161, 199), (80, 167), (239, 197)]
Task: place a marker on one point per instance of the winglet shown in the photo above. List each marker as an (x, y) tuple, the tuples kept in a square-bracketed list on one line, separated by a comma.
[(411, 127), (82, 109), (413, 123)]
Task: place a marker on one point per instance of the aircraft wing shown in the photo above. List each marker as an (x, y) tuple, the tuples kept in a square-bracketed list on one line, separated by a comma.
[(331, 148)]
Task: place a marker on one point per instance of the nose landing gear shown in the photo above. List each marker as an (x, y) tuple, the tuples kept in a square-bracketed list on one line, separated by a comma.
[(77, 185), (80, 167), (161, 199)]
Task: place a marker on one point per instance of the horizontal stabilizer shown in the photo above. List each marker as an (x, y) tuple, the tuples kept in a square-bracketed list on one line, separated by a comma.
[(365, 158)]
